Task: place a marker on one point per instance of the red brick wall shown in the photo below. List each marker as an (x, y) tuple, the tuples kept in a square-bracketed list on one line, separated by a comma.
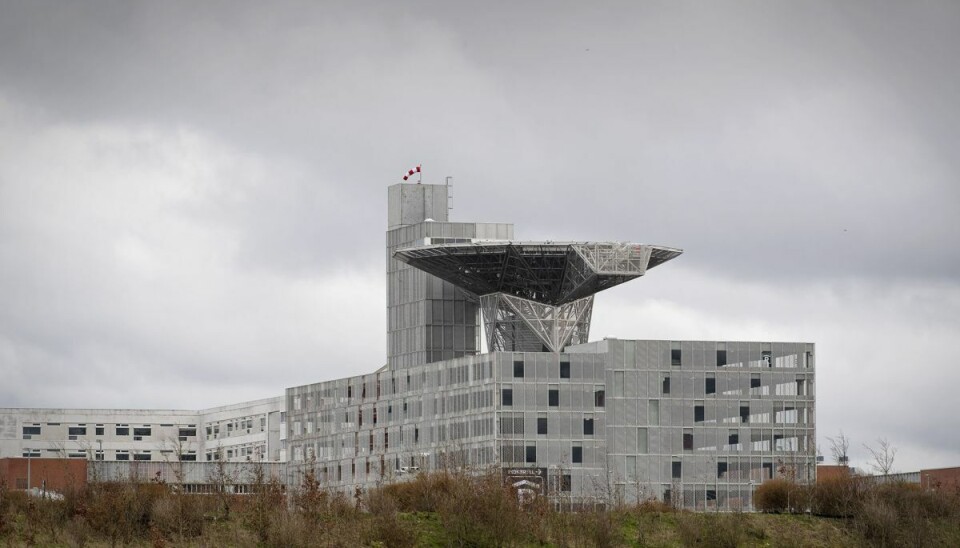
[(827, 472), (58, 474), (941, 478)]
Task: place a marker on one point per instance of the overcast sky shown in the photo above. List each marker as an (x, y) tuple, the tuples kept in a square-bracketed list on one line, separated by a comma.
[(192, 195)]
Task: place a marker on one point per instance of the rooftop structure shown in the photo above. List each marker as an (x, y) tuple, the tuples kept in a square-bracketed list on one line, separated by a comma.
[(535, 296)]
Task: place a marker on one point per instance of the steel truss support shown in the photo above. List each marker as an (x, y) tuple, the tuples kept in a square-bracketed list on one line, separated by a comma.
[(515, 324)]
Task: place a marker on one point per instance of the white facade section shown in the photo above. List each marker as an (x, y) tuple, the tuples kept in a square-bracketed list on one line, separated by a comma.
[(239, 432)]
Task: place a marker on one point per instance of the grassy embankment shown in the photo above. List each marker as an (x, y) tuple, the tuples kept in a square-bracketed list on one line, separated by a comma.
[(447, 509)]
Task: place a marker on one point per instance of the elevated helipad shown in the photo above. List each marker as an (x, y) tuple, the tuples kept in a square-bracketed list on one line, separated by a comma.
[(535, 296), (551, 273)]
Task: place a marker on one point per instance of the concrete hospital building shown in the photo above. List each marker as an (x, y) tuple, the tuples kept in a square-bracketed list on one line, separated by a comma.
[(697, 423)]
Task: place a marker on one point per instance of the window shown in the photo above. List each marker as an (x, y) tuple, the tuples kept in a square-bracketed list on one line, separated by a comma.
[(188, 432), (142, 456), (733, 438), (565, 483), (588, 427), (676, 470), (599, 398), (553, 397), (122, 456), (755, 380), (676, 357), (188, 458), (77, 431), (642, 441), (541, 425), (698, 413), (123, 431), (141, 431), (576, 455), (564, 367), (31, 431), (721, 358), (744, 413), (99, 430), (721, 469), (507, 397), (666, 384), (710, 385), (518, 369), (531, 453), (766, 358)]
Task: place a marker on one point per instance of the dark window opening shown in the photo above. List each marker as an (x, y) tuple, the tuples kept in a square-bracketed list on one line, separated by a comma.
[(507, 396), (767, 357), (99, 431), (733, 439), (554, 397), (587, 427), (698, 413), (676, 470), (122, 456), (710, 386), (141, 431), (77, 431), (721, 358), (123, 431), (768, 470), (675, 357), (564, 367), (577, 455), (188, 432), (188, 458), (755, 381), (31, 430), (711, 495), (531, 453), (687, 441), (541, 425), (142, 456), (744, 413), (518, 369), (599, 398), (721, 469), (666, 385), (565, 483)]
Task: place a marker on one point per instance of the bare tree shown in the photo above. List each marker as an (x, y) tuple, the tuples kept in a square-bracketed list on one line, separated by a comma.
[(840, 449), (883, 455)]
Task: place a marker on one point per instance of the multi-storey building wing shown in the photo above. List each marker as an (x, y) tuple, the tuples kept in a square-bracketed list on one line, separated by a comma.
[(700, 423)]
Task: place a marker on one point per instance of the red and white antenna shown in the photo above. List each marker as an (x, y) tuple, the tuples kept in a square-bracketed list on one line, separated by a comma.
[(412, 171)]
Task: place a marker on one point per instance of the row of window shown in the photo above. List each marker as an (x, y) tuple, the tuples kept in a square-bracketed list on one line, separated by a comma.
[(766, 358), (518, 368), (120, 430), (553, 397)]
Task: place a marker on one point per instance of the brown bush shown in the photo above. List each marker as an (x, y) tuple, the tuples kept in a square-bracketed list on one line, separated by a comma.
[(780, 495), (838, 497)]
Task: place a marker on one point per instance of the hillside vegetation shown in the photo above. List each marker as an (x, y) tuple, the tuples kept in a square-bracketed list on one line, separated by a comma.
[(451, 509)]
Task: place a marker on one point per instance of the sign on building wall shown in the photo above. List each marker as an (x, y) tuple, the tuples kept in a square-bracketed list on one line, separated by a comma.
[(529, 483)]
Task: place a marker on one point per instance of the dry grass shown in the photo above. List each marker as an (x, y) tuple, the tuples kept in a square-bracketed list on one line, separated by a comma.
[(455, 509)]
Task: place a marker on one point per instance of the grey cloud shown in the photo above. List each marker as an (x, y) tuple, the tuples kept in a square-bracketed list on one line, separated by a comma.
[(196, 188)]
